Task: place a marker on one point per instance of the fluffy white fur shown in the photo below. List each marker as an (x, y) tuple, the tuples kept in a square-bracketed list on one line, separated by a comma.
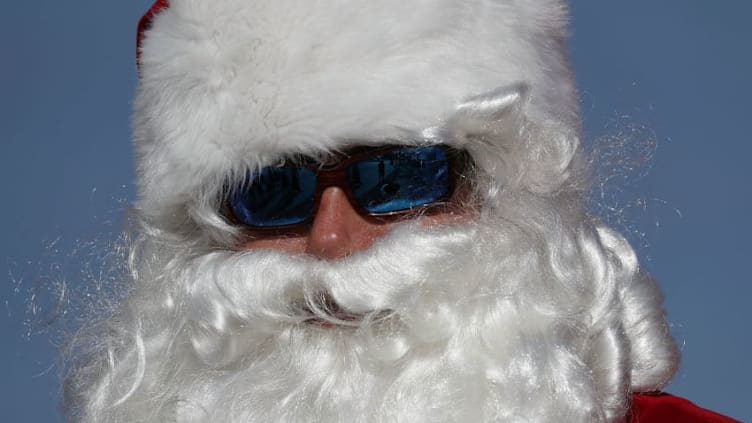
[(230, 84), (532, 312)]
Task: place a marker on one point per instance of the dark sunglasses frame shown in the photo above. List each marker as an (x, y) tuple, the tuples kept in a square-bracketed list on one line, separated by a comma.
[(333, 173)]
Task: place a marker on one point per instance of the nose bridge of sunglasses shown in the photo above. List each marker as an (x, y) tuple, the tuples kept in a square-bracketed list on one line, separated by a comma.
[(333, 177), (333, 171), (343, 172)]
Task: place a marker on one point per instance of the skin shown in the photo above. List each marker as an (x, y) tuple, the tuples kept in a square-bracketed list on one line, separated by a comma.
[(338, 230)]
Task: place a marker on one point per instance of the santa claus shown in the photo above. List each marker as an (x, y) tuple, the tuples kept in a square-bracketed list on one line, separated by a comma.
[(369, 211)]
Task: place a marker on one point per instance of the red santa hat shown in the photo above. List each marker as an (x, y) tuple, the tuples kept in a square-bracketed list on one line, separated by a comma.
[(145, 23)]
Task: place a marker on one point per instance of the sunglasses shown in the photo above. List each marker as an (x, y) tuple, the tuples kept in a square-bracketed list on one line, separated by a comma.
[(378, 181)]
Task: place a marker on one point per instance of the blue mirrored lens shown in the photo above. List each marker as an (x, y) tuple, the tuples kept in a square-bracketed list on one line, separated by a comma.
[(400, 179), (275, 196)]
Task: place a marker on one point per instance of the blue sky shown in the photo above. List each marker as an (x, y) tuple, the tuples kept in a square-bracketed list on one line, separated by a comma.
[(675, 72)]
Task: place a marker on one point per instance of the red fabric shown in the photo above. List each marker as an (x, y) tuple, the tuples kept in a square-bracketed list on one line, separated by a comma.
[(145, 23), (665, 408)]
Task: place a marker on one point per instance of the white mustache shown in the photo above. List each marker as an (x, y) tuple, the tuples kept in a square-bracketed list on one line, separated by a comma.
[(255, 292)]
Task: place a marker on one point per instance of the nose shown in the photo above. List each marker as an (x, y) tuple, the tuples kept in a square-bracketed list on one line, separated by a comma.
[(338, 230)]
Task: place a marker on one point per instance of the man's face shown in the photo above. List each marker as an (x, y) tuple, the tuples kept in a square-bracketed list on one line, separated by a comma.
[(338, 230)]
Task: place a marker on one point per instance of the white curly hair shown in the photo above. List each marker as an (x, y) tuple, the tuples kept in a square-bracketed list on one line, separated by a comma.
[(532, 311)]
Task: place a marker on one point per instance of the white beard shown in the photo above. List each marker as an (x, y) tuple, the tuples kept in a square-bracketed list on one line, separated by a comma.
[(547, 320)]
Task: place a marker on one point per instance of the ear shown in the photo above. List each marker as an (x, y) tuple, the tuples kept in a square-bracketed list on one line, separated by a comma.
[(489, 113)]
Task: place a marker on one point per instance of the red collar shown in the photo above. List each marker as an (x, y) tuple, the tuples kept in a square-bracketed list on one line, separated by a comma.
[(664, 408)]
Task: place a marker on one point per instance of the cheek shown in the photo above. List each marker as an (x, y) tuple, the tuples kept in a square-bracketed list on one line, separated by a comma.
[(371, 233), (450, 217), (460, 209), (291, 244)]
